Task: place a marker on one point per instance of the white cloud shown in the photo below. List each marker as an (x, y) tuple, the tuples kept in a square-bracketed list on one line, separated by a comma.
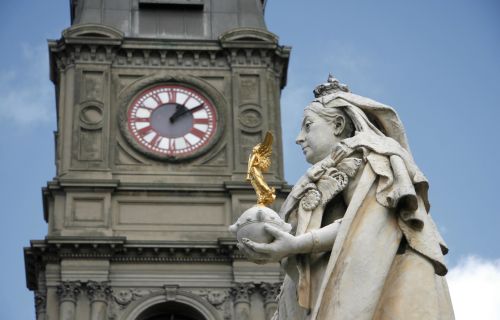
[(26, 93), (475, 289)]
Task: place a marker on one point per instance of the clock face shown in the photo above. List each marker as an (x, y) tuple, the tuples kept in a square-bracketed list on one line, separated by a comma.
[(172, 121)]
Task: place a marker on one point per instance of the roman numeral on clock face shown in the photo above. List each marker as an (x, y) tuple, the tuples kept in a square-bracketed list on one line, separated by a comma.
[(172, 96)]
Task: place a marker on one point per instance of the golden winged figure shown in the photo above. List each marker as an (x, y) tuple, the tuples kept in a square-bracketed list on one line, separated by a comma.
[(258, 163)]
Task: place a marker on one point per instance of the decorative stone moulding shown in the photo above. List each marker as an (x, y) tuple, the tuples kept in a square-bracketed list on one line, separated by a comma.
[(250, 117), (171, 294), (98, 44), (91, 114), (118, 249)]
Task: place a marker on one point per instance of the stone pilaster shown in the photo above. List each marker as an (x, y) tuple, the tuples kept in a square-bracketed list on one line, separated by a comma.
[(41, 305), (241, 293), (269, 292), (98, 293), (68, 293)]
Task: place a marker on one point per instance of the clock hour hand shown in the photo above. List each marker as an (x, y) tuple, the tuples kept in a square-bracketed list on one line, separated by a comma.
[(176, 114)]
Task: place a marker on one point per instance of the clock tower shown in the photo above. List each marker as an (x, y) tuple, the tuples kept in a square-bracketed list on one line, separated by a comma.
[(158, 104)]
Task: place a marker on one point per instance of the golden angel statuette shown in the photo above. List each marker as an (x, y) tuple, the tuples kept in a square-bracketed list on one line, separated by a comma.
[(250, 224), (259, 163)]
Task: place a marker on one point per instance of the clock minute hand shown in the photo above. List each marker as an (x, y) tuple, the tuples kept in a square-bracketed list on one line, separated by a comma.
[(176, 115)]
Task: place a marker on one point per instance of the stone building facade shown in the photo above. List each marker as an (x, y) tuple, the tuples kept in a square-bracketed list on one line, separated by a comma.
[(138, 213)]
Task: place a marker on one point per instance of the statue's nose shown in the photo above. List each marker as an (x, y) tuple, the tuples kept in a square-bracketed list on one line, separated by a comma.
[(300, 138)]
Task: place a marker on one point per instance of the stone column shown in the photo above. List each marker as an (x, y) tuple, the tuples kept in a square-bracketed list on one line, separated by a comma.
[(269, 292), (41, 305), (241, 296), (68, 293), (98, 293)]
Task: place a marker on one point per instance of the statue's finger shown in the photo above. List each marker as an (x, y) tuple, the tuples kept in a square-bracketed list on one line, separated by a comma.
[(250, 254), (258, 247), (275, 232)]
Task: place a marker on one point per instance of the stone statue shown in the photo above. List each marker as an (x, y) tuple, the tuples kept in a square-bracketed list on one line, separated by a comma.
[(362, 244)]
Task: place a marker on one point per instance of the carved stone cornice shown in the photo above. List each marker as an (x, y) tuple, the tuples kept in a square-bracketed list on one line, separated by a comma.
[(117, 249), (98, 291), (269, 291), (69, 291), (241, 292), (141, 53), (66, 54)]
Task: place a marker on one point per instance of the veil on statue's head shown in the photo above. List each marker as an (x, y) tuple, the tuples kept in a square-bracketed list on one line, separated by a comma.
[(366, 114)]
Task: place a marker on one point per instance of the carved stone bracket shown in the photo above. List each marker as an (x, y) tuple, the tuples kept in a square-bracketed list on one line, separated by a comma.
[(241, 292), (171, 292), (69, 291), (98, 291)]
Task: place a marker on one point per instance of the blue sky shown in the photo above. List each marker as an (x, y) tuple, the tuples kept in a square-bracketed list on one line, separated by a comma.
[(436, 62)]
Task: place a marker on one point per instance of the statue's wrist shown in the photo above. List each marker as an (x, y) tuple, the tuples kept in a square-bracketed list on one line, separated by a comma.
[(304, 243)]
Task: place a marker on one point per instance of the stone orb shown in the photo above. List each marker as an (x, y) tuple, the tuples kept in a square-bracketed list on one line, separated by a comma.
[(251, 223)]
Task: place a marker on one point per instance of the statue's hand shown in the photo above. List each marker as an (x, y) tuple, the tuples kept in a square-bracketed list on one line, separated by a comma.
[(284, 244)]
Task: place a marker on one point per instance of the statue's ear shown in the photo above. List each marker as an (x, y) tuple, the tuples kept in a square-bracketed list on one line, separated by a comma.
[(339, 125)]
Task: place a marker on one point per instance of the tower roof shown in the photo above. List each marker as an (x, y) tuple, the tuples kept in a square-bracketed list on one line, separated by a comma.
[(170, 19)]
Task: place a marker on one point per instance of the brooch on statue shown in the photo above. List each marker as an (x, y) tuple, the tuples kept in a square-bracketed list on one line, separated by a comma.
[(251, 223)]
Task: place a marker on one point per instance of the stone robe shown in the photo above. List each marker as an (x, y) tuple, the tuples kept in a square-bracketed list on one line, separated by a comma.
[(387, 260)]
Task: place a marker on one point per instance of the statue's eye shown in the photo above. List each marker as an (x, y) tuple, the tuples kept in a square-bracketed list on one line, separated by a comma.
[(307, 125)]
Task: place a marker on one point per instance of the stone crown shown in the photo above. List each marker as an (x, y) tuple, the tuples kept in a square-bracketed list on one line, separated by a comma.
[(330, 86)]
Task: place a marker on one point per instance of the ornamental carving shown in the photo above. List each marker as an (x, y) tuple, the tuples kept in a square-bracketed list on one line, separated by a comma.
[(98, 291), (40, 301), (69, 291), (216, 297), (250, 118), (91, 114), (241, 292), (124, 297), (270, 291)]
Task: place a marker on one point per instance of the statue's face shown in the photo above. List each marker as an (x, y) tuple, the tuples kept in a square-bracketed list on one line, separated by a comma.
[(316, 138)]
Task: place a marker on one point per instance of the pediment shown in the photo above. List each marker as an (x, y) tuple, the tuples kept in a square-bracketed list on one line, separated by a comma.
[(98, 31), (248, 35)]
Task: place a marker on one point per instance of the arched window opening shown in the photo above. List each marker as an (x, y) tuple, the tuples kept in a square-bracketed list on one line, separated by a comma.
[(171, 311)]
